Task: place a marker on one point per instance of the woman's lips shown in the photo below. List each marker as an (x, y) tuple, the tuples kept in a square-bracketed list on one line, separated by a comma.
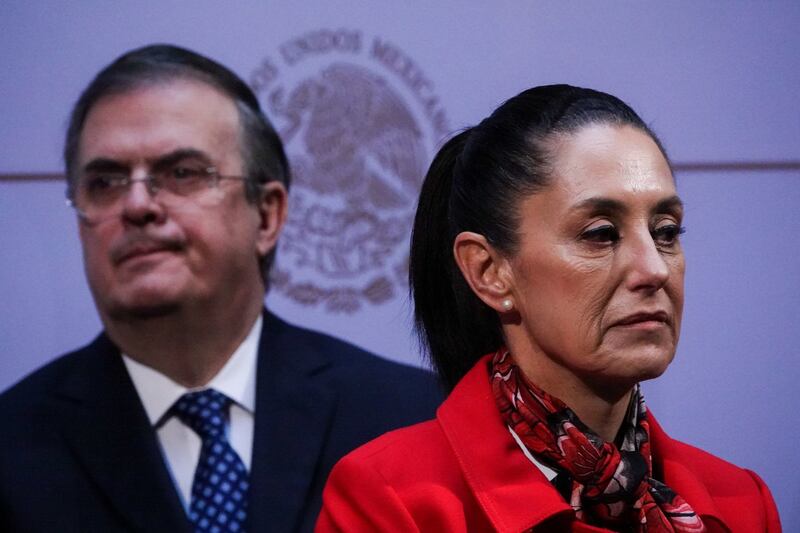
[(646, 320)]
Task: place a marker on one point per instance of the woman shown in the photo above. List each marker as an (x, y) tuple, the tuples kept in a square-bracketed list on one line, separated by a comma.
[(547, 274)]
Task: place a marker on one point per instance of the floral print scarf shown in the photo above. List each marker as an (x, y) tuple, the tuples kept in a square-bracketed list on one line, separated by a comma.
[(612, 486)]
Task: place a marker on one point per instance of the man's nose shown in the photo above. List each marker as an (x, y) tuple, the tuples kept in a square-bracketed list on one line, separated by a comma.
[(139, 204)]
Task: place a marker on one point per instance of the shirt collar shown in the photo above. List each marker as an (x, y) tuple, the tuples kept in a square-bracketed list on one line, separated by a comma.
[(548, 472), (236, 380)]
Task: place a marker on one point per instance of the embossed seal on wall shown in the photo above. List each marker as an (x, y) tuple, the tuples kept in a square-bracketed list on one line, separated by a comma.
[(359, 120)]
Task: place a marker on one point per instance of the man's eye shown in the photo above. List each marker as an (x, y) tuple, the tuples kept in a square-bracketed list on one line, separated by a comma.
[(184, 173), (601, 234), (668, 234), (103, 182)]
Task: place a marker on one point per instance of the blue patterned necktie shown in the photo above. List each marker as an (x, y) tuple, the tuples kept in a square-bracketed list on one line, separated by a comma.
[(219, 489)]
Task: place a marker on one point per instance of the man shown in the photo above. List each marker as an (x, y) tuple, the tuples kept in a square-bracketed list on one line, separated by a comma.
[(195, 409)]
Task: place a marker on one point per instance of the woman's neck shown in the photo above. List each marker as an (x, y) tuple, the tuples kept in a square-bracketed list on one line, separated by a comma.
[(600, 406)]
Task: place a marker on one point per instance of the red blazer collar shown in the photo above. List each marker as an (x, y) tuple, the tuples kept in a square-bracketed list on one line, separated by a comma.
[(502, 479), (505, 482)]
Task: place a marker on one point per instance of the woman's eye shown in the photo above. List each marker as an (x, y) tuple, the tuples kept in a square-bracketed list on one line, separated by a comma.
[(668, 234), (601, 234)]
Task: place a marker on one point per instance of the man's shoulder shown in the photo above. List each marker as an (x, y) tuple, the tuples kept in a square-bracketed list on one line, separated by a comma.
[(349, 359), (356, 372), (369, 373), (46, 380)]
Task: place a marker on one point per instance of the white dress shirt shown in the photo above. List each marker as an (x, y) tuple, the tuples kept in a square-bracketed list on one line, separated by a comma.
[(179, 443)]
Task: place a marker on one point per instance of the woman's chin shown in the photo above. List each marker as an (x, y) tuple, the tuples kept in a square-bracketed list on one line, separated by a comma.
[(645, 364)]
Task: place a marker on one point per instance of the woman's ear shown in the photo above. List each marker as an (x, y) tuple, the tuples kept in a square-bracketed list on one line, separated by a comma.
[(485, 270)]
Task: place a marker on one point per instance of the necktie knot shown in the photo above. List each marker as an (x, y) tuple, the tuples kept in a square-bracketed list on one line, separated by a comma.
[(204, 411)]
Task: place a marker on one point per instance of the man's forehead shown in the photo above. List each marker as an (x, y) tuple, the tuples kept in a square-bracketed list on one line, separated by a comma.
[(166, 87), (160, 116)]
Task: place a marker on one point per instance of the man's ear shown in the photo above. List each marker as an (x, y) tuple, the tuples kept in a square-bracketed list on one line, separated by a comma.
[(485, 270), (272, 208)]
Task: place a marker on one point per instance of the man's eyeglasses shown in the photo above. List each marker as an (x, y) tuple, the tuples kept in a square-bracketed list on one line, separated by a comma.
[(99, 195)]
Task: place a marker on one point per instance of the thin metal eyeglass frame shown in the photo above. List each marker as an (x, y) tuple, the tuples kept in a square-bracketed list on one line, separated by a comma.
[(212, 176)]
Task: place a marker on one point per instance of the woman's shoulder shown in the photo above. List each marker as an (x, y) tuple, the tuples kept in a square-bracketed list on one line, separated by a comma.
[(702, 460), (715, 487), (713, 470), (391, 454), (406, 480)]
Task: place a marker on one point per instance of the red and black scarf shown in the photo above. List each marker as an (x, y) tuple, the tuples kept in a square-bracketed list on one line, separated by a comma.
[(611, 486)]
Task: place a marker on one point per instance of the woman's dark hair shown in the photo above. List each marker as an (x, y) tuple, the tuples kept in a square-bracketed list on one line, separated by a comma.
[(475, 183)]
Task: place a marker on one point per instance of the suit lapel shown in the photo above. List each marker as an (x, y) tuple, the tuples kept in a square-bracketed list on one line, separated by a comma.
[(107, 428), (293, 412)]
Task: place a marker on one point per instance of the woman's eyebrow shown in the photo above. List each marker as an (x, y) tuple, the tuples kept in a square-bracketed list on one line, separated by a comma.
[(669, 205), (601, 204)]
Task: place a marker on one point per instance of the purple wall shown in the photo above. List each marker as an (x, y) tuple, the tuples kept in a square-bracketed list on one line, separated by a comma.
[(718, 82)]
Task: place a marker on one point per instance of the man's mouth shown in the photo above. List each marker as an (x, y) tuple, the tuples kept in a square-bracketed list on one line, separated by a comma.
[(140, 247)]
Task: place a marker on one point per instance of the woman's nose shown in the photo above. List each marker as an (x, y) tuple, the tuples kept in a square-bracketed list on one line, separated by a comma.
[(647, 268)]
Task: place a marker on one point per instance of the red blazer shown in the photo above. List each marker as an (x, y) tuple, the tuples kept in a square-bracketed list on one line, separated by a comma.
[(463, 471)]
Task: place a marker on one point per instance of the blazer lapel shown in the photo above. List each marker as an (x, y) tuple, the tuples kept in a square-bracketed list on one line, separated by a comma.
[(107, 428), (294, 407), (502, 479)]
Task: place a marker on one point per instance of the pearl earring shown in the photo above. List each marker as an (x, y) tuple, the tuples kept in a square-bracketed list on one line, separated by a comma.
[(507, 304)]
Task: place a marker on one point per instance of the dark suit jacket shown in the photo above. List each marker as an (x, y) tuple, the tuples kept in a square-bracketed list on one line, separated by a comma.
[(77, 452)]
